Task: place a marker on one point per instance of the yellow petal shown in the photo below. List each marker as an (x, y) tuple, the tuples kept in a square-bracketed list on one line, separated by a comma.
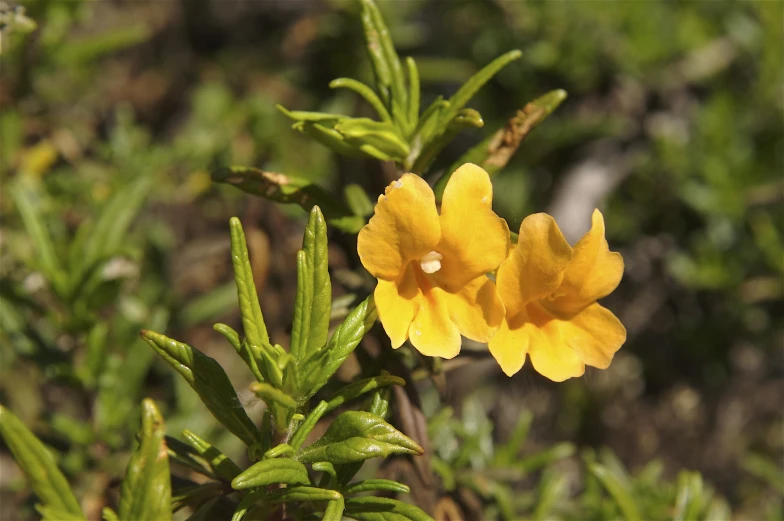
[(397, 303), (509, 346), (474, 240), (593, 273), (433, 333), (551, 357), (535, 267), (404, 228), (594, 334), (476, 309)]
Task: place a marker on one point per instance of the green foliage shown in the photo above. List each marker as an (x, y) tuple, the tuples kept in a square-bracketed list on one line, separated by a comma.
[(37, 462), (146, 488)]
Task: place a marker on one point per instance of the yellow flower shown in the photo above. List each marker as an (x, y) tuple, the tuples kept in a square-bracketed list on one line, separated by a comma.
[(432, 269), (550, 291)]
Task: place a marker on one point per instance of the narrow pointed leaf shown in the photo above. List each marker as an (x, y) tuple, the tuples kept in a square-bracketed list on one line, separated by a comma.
[(361, 387), (107, 514), (300, 115), (370, 508), (46, 480), (286, 189), (314, 290), (207, 378), (320, 367), (303, 494), (223, 467), (252, 318), (271, 472), (334, 510), (373, 485), (307, 426), (146, 488), (42, 242), (242, 348), (382, 136), (379, 405), (246, 504), (327, 136), (466, 118), (49, 513), (413, 90), (494, 152), (619, 493), (357, 436), (472, 86), (383, 57), (272, 396), (366, 93), (358, 200)]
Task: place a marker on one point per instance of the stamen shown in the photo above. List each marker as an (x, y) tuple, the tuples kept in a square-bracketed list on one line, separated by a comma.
[(431, 262)]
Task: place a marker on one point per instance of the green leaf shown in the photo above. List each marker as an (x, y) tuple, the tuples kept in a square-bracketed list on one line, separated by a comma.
[(373, 485), (299, 115), (383, 57), (146, 488), (366, 93), (252, 318), (619, 493), (39, 236), (312, 306), (334, 510), (49, 513), (303, 494), (281, 450), (545, 457), (495, 151), (223, 467), (204, 512), (358, 200), (464, 119), (328, 137), (551, 492), (46, 480), (242, 348), (413, 90), (361, 387), (210, 382), (320, 367), (382, 136), (371, 508), (109, 515), (271, 472), (272, 395), (357, 436), (511, 450), (290, 190), (246, 504), (689, 500), (110, 231), (307, 426), (379, 405), (472, 86)]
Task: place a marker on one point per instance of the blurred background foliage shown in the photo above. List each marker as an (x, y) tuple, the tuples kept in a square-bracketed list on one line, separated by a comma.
[(113, 114)]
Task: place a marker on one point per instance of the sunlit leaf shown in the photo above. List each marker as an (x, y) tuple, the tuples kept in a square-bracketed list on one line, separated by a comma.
[(370, 508), (210, 382), (357, 436), (270, 472), (146, 487), (46, 480)]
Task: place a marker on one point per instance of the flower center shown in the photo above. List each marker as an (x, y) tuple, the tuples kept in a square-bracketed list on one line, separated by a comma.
[(431, 262)]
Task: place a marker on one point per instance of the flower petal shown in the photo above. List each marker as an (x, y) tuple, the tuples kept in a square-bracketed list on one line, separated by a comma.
[(593, 273), (404, 227), (595, 334), (509, 346), (535, 267), (476, 309), (551, 357), (474, 240), (397, 304), (433, 333)]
